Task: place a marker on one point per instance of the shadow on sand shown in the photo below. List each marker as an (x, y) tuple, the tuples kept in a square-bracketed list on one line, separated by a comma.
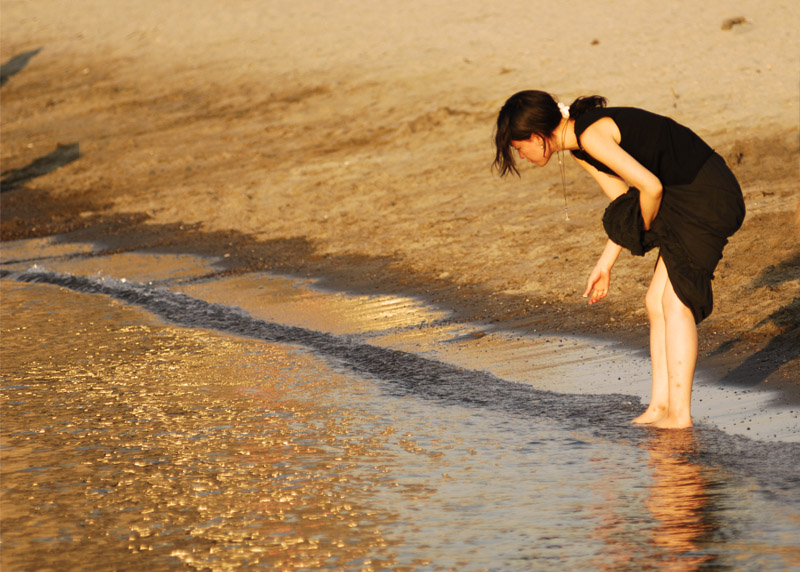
[(63, 155), (783, 348), (16, 65)]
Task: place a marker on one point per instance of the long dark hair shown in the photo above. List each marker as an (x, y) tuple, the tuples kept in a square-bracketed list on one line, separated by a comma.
[(528, 113)]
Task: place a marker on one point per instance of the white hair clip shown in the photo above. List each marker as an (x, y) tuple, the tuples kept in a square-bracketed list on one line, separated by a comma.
[(564, 109)]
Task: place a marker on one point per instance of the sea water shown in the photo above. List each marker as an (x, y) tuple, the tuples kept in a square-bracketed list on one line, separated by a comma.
[(147, 426)]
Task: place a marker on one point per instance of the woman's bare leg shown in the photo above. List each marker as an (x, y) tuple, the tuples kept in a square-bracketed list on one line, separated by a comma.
[(681, 344), (659, 400)]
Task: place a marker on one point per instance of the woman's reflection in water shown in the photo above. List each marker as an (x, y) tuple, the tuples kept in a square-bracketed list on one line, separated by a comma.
[(679, 501)]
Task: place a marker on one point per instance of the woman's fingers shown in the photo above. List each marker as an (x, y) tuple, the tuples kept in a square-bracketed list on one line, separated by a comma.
[(590, 284), (598, 293), (597, 286)]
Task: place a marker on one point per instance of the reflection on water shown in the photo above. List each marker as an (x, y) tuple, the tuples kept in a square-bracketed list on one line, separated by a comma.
[(679, 500), (132, 444)]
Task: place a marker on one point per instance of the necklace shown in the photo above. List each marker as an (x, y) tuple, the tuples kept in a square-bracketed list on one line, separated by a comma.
[(563, 168)]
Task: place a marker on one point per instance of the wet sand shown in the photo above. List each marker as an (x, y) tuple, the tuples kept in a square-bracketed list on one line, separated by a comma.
[(547, 361), (332, 142)]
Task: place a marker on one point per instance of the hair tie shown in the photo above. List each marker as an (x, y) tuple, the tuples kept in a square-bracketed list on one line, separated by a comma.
[(564, 109)]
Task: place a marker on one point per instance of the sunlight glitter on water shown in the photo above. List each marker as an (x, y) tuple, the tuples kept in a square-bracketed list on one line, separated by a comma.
[(134, 438), (133, 443)]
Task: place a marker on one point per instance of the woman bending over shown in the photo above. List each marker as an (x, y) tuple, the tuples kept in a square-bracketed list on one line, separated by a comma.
[(668, 189)]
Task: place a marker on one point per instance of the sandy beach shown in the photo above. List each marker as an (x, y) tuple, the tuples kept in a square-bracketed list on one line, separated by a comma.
[(265, 305), (352, 143)]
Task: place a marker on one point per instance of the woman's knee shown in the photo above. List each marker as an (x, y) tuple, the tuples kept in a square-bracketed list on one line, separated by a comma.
[(654, 305)]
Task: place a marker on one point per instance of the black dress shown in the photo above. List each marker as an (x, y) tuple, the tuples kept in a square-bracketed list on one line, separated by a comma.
[(701, 204)]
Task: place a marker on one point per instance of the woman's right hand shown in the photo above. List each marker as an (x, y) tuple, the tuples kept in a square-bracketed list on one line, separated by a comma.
[(598, 284), (600, 278)]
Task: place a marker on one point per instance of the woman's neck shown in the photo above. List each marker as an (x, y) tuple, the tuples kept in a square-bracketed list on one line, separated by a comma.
[(563, 137)]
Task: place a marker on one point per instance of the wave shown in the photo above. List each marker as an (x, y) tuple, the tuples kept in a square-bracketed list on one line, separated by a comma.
[(407, 372), (402, 373)]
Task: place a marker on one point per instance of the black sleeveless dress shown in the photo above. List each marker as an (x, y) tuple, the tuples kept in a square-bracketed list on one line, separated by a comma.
[(701, 204)]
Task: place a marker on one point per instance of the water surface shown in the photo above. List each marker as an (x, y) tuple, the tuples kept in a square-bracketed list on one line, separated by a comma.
[(148, 429)]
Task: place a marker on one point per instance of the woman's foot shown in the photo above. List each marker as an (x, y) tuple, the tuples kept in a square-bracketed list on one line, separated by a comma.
[(651, 415)]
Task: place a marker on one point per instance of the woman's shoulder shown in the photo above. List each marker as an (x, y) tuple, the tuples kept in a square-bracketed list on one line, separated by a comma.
[(590, 117)]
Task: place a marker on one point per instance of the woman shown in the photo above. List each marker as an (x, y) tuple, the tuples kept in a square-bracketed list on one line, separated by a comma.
[(668, 189)]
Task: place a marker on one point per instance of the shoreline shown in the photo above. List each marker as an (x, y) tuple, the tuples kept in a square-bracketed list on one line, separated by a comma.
[(737, 360), (566, 363)]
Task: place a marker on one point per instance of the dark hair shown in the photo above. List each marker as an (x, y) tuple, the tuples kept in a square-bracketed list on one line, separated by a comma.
[(528, 113)]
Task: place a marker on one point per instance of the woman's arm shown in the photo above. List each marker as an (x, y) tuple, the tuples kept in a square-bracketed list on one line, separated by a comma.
[(612, 186), (600, 278), (601, 140)]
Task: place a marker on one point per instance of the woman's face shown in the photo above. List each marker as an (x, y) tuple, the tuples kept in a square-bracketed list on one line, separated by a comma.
[(532, 150)]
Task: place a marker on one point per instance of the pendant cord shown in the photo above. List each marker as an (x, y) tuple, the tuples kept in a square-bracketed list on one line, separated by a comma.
[(563, 169)]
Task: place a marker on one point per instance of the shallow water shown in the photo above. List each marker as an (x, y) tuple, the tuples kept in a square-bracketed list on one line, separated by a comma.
[(148, 429)]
